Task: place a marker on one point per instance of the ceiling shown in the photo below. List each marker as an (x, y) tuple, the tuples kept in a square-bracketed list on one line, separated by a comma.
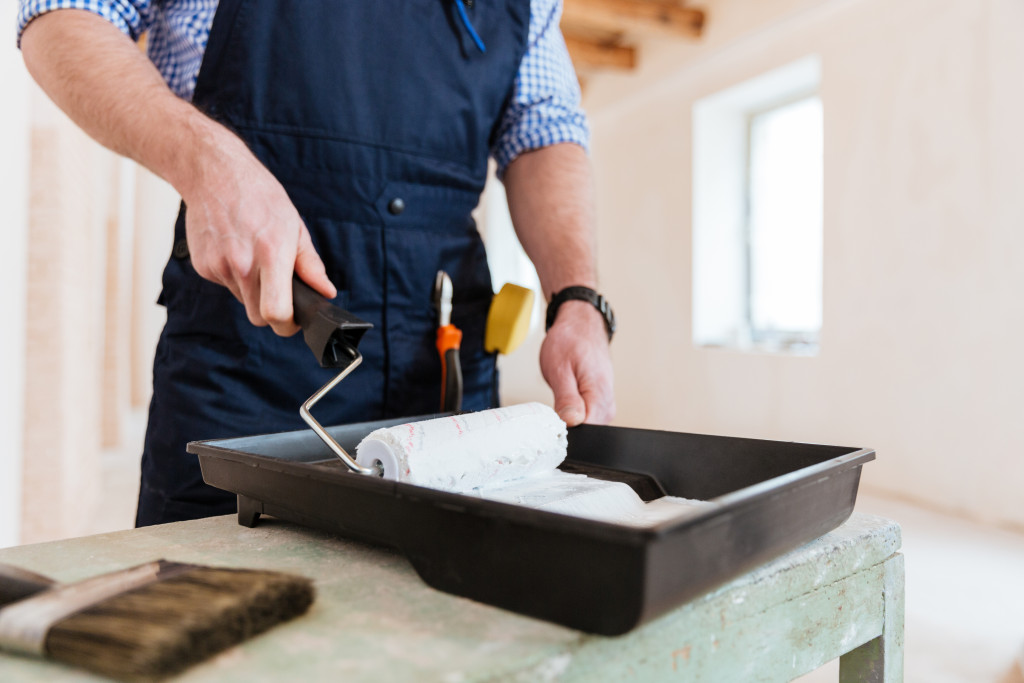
[(602, 35)]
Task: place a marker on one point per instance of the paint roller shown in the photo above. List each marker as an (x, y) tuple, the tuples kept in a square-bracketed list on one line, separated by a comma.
[(470, 451)]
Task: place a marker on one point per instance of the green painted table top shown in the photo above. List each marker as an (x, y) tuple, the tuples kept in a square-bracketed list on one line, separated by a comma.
[(374, 620)]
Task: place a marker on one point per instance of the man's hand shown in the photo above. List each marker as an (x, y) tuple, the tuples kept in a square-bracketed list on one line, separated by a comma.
[(576, 365), (550, 196), (244, 233), (243, 230)]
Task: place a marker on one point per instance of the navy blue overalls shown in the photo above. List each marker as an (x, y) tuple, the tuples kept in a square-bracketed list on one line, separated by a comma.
[(377, 117)]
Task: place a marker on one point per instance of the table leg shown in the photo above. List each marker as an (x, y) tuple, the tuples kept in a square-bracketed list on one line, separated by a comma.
[(881, 660)]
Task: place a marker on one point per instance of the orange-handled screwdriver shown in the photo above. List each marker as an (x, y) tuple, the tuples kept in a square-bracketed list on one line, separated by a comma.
[(449, 338)]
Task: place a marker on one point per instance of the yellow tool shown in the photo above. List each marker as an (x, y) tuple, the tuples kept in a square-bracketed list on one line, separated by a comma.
[(508, 321)]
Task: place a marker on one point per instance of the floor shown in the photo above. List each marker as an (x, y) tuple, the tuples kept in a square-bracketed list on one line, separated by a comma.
[(965, 582), (965, 598)]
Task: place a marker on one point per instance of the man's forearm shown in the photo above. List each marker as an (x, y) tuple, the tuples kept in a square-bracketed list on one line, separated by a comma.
[(242, 229), (100, 78), (551, 197)]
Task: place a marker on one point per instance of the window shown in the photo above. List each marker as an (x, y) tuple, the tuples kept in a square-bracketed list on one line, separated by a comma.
[(757, 222), (784, 191)]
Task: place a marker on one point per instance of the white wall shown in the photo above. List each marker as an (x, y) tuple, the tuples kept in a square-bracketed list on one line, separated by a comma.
[(156, 205), (14, 165), (73, 185), (924, 242)]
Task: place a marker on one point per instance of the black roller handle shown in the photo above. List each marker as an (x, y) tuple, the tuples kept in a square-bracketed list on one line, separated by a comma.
[(331, 333)]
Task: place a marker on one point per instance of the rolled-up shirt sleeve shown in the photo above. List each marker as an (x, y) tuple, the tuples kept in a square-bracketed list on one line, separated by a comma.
[(131, 17), (545, 105)]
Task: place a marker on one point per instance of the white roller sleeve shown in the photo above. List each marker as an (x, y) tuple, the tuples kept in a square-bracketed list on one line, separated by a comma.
[(471, 451)]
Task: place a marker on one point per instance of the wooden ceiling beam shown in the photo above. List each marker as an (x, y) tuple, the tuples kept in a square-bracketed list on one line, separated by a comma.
[(587, 53), (593, 33), (660, 16)]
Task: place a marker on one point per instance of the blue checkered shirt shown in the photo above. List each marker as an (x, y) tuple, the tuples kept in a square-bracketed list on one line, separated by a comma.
[(545, 107)]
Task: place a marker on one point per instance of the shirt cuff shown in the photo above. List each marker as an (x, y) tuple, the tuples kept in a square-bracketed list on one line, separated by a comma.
[(121, 13), (527, 136)]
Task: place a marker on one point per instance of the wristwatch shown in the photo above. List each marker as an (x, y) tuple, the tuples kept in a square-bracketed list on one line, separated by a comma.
[(582, 294)]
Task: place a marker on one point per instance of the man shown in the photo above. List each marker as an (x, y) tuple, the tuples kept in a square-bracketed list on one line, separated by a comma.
[(345, 143)]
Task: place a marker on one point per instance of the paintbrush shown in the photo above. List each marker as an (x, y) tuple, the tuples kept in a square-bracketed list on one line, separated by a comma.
[(146, 622)]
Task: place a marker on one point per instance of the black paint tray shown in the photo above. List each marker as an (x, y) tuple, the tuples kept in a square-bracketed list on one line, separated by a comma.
[(771, 497)]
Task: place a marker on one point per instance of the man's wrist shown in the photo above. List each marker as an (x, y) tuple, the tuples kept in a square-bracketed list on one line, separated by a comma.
[(579, 299), (201, 144)]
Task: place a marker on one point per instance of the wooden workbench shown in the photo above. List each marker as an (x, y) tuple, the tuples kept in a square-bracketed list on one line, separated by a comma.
[(374, 620)]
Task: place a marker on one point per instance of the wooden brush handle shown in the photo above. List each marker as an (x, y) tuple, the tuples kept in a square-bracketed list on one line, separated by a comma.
[(17, 583)]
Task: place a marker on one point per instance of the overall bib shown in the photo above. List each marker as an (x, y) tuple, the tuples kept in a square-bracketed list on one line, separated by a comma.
[(377, 116)]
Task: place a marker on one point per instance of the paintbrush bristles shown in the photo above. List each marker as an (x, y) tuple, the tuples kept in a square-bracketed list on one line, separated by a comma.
[(160, 629)]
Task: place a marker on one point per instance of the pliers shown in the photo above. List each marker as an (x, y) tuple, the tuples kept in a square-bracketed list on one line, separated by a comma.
[(449, 338)]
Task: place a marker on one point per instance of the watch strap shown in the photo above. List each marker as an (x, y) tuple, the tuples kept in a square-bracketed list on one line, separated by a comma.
[(581, 293)]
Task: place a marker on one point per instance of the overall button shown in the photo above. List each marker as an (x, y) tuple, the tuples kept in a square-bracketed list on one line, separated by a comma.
[(396, 206), (180, 250)]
